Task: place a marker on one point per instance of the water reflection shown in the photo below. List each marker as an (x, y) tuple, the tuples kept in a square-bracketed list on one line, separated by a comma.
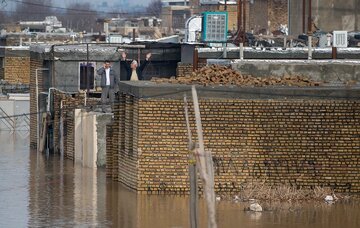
[(13, 179), (46, 191)]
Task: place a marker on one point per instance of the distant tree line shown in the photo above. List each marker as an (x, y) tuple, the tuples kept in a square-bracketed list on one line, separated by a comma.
[(75, 16)]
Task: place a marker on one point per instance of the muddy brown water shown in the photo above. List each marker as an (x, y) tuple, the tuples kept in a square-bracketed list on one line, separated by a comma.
[(38, 190)]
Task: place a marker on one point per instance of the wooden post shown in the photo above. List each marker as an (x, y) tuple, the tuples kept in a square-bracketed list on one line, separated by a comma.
[(244, 21), (309, 17), (239, 16), (194, 212), (204, 166), (334, 53), (43, 132), (303, 15), (195, 60)]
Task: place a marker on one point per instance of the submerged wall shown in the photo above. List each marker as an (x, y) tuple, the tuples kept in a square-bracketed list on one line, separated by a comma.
[(303, 137)]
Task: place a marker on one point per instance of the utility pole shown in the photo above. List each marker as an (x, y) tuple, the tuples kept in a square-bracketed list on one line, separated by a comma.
[(244, 21), (194, 211), (310, 18), (241, 19), (310, 31), (303, 16), (239, 15)]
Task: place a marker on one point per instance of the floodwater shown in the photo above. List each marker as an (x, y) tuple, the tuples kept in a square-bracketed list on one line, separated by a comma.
[(37, 190)]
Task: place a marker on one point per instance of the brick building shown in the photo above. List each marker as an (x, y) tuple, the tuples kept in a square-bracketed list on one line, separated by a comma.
[(15, 64), (65, 67), (297, 136), (261, 15), (327, 15)]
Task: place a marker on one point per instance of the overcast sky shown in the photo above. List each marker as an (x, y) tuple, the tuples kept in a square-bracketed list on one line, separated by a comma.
[(110, 2), (63, 3)]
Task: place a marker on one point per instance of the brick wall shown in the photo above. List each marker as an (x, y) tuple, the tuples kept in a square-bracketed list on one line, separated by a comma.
[(17, 70), (2, 68), (257, 14), (305, 143), (122, 150), (277, 13), (186, 69), (258, 19), (69, 103)]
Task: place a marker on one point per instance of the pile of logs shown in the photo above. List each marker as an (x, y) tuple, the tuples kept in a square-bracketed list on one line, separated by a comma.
[(223, 75)]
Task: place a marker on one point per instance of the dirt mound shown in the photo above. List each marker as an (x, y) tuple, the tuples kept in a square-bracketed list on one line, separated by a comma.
[(222, 75)]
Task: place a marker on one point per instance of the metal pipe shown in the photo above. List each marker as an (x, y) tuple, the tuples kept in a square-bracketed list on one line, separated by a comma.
[(289, 18), (310, 18), (309, 46), (239, 9), (241, 51), (303, 15), (195, 59), (224, 51), (244, 21), (87, 70)]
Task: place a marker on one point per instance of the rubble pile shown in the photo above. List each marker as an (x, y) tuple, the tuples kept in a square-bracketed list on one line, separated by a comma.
[(223, 75)]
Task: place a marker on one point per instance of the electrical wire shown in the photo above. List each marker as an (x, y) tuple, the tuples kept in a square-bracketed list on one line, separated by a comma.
[(91, 11), (60, 8), (187, 90)]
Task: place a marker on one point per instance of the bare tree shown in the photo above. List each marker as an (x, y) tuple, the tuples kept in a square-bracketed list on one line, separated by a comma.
[(33, 10), (154, 8), (80, 17)]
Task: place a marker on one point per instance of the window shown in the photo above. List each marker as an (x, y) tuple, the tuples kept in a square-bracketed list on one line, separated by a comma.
[(2, 63), (87, 76)]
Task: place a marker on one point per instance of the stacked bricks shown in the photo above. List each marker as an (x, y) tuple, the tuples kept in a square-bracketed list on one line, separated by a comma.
[(109, 151), (122, 150), (17, 70), (116, 144), (184, 69), (116, 141), (58, 97), (34, 63), (128, 156), (304, 143), (1, 68), (69, 102)]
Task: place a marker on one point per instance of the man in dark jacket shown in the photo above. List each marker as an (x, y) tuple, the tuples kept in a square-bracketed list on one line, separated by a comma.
[(109, 82), (133, 70)]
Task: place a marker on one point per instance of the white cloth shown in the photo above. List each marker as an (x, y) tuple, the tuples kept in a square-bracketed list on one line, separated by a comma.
[(134, 76), (107, 72)]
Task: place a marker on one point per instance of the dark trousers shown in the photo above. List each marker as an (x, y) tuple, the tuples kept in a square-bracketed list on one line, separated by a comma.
[(105, 93)]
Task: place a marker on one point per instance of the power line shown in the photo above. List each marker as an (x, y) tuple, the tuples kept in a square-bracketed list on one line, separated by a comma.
[(200, 89), (90, 11), (138, 14), (61, 8)]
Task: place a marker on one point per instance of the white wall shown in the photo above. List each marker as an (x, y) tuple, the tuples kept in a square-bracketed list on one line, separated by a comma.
[(85, 138)]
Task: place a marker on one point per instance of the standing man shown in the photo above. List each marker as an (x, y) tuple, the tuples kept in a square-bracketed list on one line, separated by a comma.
[(108, 83), (133, 71)]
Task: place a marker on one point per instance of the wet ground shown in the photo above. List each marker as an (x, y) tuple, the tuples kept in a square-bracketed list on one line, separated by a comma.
[(38, 190)]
